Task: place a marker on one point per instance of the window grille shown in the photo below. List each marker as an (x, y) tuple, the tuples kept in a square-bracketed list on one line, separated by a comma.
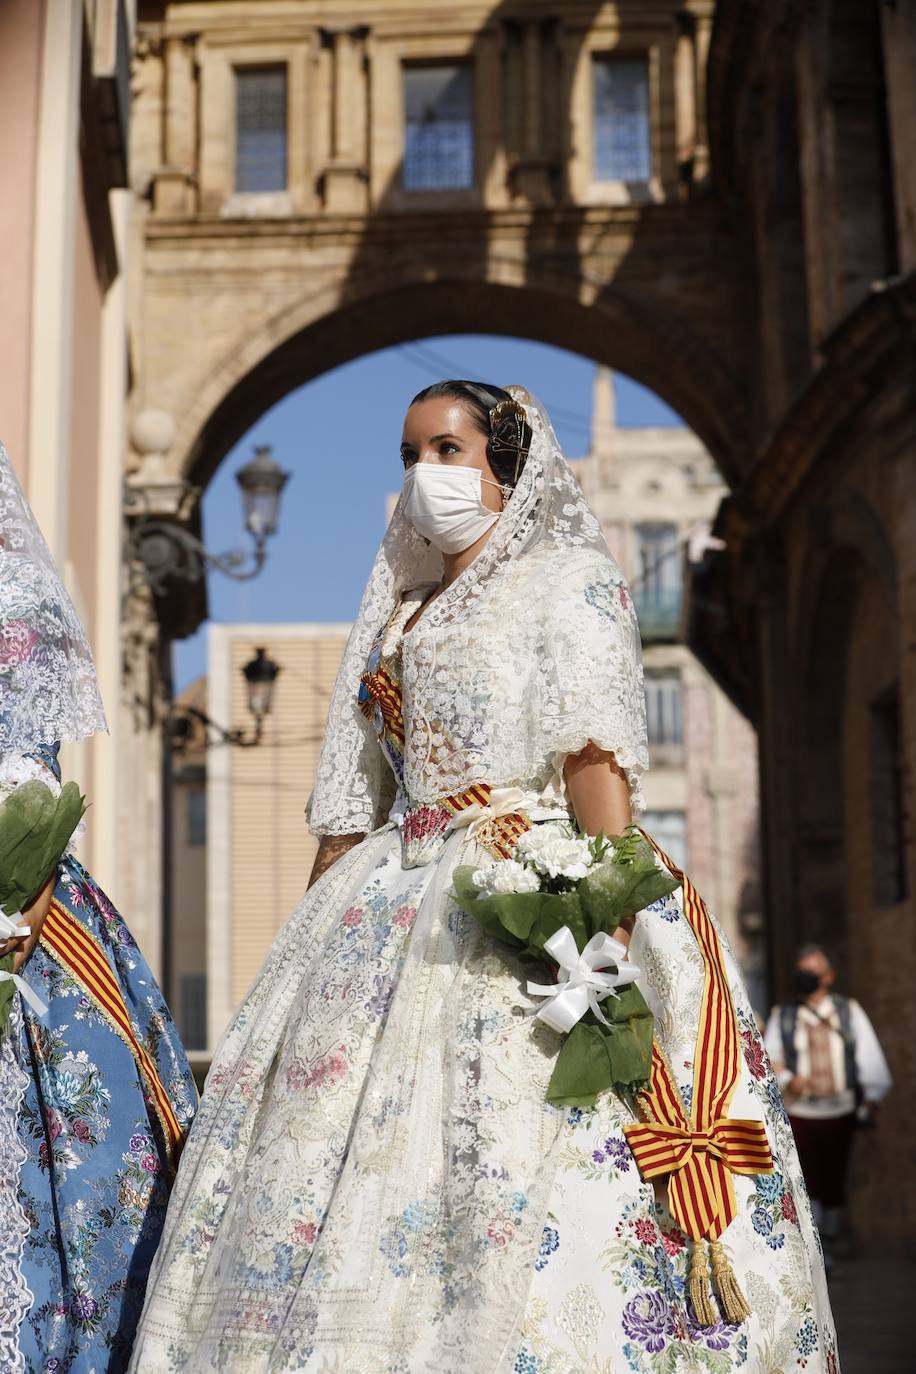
[(439, 127), (260, 129), (622, 134), (663, 710), (657, 584)]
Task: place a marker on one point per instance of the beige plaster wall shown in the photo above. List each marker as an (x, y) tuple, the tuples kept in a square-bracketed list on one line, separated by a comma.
[(21, 30)]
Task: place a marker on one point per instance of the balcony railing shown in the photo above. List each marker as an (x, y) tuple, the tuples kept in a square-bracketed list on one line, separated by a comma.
[(659, 612)]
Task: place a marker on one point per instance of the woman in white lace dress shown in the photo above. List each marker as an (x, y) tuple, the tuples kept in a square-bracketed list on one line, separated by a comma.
[(375, 1181)]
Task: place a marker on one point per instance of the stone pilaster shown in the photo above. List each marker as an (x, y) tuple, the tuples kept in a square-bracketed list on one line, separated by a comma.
[(346, 175)]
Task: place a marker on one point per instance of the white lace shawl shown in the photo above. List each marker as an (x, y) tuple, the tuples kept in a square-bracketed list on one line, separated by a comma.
[(48, 687), (532, 652)]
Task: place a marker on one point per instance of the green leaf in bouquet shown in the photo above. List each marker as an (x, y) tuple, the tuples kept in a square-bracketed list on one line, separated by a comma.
[(524, 920), (614, 891), (555, 910), (594, 1058), (35, 828)]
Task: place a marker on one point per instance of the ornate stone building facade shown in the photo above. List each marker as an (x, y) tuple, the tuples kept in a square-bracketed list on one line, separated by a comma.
[(719, 200)]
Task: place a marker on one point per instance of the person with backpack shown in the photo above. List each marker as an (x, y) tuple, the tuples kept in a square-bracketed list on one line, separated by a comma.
[(833, 1074)]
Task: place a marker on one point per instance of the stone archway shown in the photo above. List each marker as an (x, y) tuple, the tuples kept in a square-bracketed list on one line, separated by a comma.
[(336, 325)]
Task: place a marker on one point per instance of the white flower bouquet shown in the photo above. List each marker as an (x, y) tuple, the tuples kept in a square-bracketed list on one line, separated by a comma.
[(558, 900)]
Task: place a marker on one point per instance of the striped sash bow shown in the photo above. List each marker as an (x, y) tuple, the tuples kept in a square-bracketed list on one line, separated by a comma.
[(700, 1151), (72, 945), (701, 1193)]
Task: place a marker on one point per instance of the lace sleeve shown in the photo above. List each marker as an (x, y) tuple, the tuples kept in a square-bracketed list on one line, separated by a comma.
[(593, 679), (348, 797)]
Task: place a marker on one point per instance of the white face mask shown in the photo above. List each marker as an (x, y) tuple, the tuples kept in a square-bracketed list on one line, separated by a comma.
[(444, 505)]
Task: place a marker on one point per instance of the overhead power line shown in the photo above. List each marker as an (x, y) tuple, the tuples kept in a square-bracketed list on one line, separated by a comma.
[(430, 360)]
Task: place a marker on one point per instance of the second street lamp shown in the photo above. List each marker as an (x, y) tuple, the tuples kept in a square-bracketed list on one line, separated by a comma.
[(260, 674)]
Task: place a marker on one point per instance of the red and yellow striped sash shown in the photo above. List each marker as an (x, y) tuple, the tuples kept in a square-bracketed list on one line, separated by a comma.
[(67, 941), (701, 1151), (383, 691)]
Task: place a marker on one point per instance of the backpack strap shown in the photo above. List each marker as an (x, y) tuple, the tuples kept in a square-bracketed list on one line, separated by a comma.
[(844, 1012)]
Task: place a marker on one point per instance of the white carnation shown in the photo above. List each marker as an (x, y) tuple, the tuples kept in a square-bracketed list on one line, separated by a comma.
[(507, 876), (553, 851)]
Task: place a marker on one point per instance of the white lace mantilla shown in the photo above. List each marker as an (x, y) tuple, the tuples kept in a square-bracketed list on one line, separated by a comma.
[(532, 652), (48, 686), (15, 1297)]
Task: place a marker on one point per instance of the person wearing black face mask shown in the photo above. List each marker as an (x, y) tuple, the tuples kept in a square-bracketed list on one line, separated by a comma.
[(833, 1073)]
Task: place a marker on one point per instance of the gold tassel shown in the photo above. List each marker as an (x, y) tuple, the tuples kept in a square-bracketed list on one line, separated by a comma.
[(698, 1286), (733, 1302)]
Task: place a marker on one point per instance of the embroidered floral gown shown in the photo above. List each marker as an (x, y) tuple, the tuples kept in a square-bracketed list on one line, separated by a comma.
[(375, 1182), (95, 1099)]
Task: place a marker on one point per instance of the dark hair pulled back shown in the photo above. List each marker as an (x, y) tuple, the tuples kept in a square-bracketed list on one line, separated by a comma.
[(497, 415)]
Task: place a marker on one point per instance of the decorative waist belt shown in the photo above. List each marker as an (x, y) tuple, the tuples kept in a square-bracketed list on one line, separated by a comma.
[(494, 816)]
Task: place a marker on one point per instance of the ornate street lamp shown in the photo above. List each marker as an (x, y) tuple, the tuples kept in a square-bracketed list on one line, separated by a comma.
[(261, 481), (260, 674), (166, 551)]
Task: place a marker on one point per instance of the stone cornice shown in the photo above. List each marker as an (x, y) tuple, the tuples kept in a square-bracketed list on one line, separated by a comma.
[(203, 16), (665, 219)]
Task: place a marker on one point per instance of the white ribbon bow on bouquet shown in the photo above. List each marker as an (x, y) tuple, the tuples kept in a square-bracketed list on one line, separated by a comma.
[(10, 931), (581, 986)]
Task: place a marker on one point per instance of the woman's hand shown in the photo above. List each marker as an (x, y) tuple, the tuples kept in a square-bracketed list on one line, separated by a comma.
[(330, 849), (599, 794), (33, 917)]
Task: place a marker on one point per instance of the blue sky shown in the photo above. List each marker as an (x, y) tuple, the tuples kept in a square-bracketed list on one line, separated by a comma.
[(339, 436)]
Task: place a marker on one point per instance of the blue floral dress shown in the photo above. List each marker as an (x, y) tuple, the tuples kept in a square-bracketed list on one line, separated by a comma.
[(95, 1097)]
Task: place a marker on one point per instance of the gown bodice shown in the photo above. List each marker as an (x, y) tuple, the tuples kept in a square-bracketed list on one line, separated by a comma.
[(500, 814)]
